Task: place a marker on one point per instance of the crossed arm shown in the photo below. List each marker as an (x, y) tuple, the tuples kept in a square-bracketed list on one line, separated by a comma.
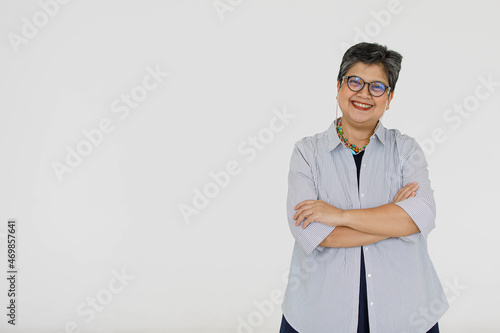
[(358, 227), (410, 216), (348, 237)]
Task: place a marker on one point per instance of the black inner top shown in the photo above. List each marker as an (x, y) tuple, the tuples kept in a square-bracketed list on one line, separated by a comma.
[(357, 159), (363, 326)]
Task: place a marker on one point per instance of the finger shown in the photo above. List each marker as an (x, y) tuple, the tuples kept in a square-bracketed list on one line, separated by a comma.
[(302, 216), (409, 185), (300, 211), (300, 219), (308, 215), (303, 208), (300, 204), (308, 221), (413, 191), (406, 191), (297, 206), (400, 194)]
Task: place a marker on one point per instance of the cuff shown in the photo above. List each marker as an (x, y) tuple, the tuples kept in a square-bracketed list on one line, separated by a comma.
[(420, 214), (312, 235)]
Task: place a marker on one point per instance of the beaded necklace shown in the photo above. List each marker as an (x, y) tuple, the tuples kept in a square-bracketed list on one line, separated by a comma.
[(354, 150)]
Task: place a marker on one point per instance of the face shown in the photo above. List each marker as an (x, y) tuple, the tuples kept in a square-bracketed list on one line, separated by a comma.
[(361, 109)]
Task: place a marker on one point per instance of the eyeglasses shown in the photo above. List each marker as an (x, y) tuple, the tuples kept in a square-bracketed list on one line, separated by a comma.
[(376, 88)]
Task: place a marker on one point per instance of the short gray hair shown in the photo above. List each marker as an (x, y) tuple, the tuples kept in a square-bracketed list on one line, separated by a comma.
[(372, 53)]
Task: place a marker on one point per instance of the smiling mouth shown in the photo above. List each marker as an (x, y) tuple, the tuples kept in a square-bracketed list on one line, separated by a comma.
[(361, 106)]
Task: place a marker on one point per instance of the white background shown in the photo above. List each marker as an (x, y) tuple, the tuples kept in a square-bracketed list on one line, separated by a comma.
[(118, 210)]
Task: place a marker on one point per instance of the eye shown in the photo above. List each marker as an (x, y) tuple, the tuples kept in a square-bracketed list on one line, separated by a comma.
[(378, 86), (355, 81)]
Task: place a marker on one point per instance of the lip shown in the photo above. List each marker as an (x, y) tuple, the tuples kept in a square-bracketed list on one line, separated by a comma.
[(359, 107)]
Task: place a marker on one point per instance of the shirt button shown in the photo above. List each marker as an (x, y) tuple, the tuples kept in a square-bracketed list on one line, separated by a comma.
[(371, 303), (366, 249), (364, 165), (362, 195), (369, 275)]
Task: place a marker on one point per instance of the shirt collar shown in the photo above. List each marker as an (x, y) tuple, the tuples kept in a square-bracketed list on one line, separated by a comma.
[(334, 140)]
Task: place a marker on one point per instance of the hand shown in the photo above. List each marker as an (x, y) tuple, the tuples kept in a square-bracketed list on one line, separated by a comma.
[(409, 190), (317, 211)]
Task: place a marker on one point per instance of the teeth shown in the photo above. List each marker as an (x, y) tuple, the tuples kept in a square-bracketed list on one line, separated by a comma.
[(361, 105)]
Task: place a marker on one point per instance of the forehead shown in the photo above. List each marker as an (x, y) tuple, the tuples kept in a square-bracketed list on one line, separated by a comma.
[(369, 72)]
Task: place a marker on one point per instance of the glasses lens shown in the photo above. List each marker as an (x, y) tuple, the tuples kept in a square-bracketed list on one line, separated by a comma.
[(355, 83), (377, 88)]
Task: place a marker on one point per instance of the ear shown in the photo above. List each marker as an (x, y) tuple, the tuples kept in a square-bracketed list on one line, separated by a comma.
[(391, 95), (338, 87)]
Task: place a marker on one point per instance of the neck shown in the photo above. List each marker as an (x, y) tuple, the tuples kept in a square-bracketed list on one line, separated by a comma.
[(357, 135)]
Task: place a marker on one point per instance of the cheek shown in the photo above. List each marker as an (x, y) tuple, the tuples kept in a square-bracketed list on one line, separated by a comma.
[(380, 103), (344, 97)]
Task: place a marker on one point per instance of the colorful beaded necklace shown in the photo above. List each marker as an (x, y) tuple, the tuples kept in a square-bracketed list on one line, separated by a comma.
[(355, 150)]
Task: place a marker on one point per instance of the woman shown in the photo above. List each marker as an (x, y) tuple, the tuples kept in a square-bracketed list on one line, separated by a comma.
[(360, 207)]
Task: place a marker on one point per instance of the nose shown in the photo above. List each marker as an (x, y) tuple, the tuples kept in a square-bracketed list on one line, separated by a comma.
[(364, 92)]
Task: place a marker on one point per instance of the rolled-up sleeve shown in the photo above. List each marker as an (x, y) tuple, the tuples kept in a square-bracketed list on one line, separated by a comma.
[(422, 207), (301, 187)]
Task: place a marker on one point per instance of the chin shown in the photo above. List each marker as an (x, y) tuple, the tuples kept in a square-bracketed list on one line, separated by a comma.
[(360, 117)]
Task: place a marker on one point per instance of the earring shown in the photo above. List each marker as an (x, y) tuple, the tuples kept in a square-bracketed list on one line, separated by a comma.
[(337, 98)]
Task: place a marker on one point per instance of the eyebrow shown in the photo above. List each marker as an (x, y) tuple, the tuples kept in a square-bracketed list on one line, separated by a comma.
[(381, 81)]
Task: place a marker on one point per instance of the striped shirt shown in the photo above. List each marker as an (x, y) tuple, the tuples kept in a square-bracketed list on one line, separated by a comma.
[(404, 292)]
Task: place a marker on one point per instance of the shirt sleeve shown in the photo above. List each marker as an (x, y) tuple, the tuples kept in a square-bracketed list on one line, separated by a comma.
[(301, 187), (421, 207)]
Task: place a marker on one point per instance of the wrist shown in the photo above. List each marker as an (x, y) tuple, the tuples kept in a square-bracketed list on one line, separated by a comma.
[(344, 218)]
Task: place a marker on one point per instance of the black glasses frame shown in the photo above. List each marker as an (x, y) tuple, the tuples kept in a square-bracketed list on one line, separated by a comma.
[(369, 85)]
